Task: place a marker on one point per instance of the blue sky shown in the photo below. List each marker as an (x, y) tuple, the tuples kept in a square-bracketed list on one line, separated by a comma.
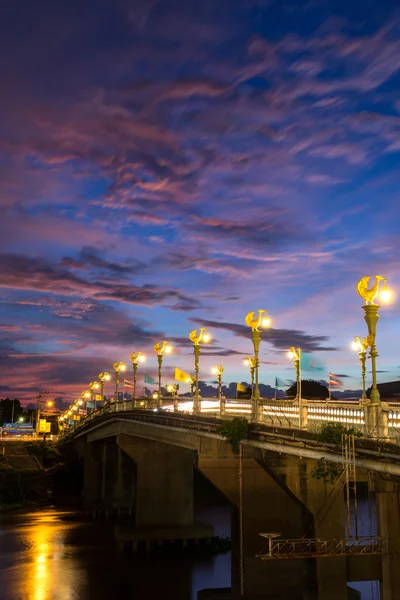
[(165, 164)]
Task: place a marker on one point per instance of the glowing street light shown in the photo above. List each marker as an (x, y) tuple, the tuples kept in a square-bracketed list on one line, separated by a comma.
[(93, 386), (197, 338), (250, 361), (161, 348), (361, 346), (218, 370), (172, 389), (104, 376), (136, 358), (262, 320), (371, 318), (119, 367), (295, 355)]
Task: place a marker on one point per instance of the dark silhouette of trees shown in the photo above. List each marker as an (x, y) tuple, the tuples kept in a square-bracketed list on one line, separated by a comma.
[(309, 389), (6, 410)]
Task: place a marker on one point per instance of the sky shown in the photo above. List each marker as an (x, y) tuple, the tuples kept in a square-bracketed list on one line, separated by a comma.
[(166, 165)]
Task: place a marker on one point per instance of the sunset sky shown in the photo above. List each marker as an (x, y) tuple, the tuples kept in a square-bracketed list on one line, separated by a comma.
[(171, 164)]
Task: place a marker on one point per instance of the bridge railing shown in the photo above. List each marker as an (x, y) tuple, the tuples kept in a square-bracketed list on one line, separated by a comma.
[(379, 420)]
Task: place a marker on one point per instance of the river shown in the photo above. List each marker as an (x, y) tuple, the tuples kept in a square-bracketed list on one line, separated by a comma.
[(51, 554)]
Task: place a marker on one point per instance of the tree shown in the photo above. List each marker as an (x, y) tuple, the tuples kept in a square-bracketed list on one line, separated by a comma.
[(309, 389), (10, 410)]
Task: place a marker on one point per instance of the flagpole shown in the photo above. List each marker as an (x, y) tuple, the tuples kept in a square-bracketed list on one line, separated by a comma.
[(329, 386), (275, 388)]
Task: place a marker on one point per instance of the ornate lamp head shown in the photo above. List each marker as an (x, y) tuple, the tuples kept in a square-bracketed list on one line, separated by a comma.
[(162, 347), (119, 366), (262, 320), (202, 336), (137, 357), (294, 353), (370, 294), (104, 376)]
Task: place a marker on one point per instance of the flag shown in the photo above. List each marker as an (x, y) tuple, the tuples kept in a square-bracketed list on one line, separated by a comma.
[(279, 383), (148, 379), (98, 397), (128, 383), (335, 381), (241, 388), (309, 363), (182, 376)]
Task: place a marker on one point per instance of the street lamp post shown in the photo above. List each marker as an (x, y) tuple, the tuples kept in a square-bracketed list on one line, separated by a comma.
[(136, 358), (361, 346), (93, 386), (371, 318), (197, 338), (118, 368), (173, 388), (85, 396), (160, 348), (218, 370), (250, 362), (255, 322), (295, 355), (103, 377)]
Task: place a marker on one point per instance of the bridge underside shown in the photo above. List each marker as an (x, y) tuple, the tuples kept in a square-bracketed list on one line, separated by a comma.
[(147, 470)]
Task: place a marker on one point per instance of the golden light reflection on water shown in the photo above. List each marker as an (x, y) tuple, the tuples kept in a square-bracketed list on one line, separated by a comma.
[(49, 567)]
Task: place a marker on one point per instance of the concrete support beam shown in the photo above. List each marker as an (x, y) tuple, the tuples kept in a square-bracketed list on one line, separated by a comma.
[(164, 482), (267, 508), (325, 503), (388, 522)]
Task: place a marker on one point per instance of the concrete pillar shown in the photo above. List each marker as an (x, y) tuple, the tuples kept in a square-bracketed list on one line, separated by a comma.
[(164, 480), (92, 455), (266, 508), (388, 524), (303, 414), (326, 505)]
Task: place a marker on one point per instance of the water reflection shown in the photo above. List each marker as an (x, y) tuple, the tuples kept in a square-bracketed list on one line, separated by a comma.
[(35, 557), (45, 555)]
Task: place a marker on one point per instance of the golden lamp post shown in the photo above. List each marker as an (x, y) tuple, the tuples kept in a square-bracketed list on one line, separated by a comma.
[(93, 386), (85, 396), (103, 377), (218, 370), (361, 346), (197, 339), (119, 367), (295, 355), (255, 322), (136, 358), (172, 389), (160, 348), (250, 362), (371, 318)]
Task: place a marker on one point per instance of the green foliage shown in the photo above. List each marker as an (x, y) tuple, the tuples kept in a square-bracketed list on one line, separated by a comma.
[(41, 448), (331, 433), (309, 389), (328, 472), (234, 431)]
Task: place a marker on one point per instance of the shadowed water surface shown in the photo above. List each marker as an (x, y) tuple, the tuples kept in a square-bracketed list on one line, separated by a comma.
[(49, 555)]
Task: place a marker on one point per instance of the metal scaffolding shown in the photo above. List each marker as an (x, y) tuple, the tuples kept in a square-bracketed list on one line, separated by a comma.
[(321, 548)]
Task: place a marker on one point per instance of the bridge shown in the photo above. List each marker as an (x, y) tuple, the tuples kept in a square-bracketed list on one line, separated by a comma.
[(142, 462)]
